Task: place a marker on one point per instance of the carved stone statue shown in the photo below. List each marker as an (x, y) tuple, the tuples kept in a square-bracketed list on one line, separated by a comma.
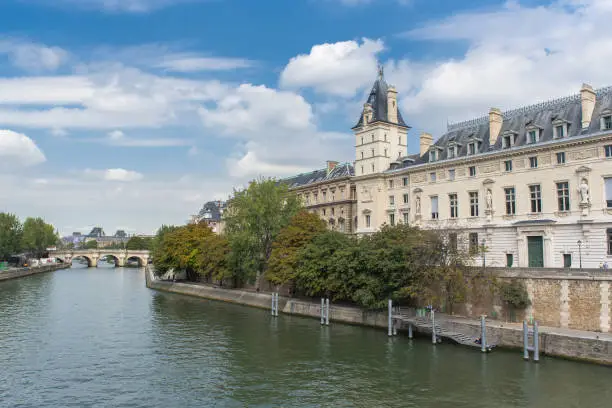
[(418, 205), (584, 192), (489, 199)]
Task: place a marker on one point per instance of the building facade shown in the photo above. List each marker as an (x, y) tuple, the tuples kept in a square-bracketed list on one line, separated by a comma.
[(211, 214), (531, 187)]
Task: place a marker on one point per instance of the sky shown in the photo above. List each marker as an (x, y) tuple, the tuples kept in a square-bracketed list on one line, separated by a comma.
[(129, 114)]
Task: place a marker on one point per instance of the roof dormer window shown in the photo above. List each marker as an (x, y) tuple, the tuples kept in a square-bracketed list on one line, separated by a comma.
[(533, 134), (606, 120), (451, 152), (508, 140), (473, 146), (433, 155), (560, 128)]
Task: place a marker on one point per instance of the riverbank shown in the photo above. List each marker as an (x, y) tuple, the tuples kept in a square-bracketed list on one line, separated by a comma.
[(22, 272), (578, 345)]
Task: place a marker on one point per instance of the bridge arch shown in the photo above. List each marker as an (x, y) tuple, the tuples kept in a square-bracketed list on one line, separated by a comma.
[(85, 257), (141, 261), (115, 258)]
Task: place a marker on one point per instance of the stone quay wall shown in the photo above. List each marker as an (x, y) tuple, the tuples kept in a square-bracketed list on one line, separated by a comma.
[(563, 298), (21, 272), (565, 343)]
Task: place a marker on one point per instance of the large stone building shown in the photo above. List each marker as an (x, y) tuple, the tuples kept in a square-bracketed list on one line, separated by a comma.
[(530, 186)]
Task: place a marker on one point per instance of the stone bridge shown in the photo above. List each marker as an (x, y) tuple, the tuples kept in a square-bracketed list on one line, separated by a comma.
[(92, 256)]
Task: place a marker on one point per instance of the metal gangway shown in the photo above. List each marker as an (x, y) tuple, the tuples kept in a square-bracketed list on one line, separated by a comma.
[(428, 322)]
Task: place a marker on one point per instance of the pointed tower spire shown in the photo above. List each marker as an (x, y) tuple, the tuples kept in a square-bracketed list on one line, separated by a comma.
[(381, 71)]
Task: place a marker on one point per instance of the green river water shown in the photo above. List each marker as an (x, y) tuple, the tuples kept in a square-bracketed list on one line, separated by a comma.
[(99, 338)]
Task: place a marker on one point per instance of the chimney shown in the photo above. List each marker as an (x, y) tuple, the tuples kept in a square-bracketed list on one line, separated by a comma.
[(496, 121), (587, 99), (331, 165), (391, 104), (426, 141)]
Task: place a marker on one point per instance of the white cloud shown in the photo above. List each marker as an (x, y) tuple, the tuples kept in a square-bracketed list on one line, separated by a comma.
[(193, 151), (341, 68), (114, 175), (18, 149), (251, 165), (192, 63), (31, 56), (58, 132), (516, 56), (116, 135)]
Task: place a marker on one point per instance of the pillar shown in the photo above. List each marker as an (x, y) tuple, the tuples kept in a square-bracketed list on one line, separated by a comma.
[(604, 314)]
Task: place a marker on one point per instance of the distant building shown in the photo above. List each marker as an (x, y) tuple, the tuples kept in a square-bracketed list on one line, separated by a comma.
[(211, 214)]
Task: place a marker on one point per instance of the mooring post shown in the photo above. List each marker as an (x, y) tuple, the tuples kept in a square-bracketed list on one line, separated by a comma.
[(483, 334), (525, 340), (276, 305), (272, 308), (327, 312), (433, 326), (410, 330), (322, 311), (536, 342), (390, 318)]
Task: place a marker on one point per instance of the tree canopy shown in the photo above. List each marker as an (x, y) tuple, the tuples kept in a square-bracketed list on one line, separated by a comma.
[(38, 236), (138, 243), (10, 235), (253, 220)]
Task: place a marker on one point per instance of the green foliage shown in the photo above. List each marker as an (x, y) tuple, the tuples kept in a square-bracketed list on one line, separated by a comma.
[(138, 243), (302, 228), (10, 235), (92, 244), (253, 220), (514, 294), (38, 236)]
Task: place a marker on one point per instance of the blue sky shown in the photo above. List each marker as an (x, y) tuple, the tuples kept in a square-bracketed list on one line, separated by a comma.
[(132, 113)]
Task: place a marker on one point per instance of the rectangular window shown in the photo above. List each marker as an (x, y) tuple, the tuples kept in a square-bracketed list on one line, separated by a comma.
[(333, 211), (405, 181), (473, 242), (509, 260), (406, 218), (563, 197), (474, 204), (567, 260), (392, 219), (451, 152), (406, 199), (432, 176), (472, 171), (324, 196), (451, 174), (559, 131), (508, 165), (510, 200), (561, 158), (608, 150), (535, 194), (454, 205), (433, 155), (367, 221), (610, 241), (391, 200), (390, 183), (324, 211), (434, 208), (533, 162), (533, 136), (608, 183), (316, 198), (606, 122), (472, 148), (452, 241), (507, 142)]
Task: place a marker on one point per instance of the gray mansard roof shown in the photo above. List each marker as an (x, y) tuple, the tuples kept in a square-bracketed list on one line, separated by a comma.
[(341, 170), (211, 211), (378, 101), (541, 115)]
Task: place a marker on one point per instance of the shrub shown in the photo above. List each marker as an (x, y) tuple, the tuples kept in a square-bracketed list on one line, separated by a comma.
[(515, 294)]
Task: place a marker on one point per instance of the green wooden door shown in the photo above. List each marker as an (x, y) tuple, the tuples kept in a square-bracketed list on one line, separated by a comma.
[(535, 250)]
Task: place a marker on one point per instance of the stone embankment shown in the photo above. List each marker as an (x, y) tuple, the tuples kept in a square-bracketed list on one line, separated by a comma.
[(587, 346), (21, 272)]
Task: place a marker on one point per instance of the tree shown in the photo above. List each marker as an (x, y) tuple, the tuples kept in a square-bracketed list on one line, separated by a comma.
[(10, 235), (302, 228), (92, 244), (253, 220), (38, 236), (213, 257), (138, 243)]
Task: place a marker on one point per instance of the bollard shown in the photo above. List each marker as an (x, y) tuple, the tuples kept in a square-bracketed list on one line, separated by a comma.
[(272, 308), (327, 312), (410, 330), (395, 327), (525, 340), (433, 327), (483, 334), (322, 311), (390, 318), (276, 305), (536, 342)]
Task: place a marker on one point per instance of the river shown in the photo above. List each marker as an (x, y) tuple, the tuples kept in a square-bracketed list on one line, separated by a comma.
[(98, 338)]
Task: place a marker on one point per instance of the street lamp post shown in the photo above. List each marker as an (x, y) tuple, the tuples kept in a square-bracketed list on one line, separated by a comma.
[(580, 252)]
